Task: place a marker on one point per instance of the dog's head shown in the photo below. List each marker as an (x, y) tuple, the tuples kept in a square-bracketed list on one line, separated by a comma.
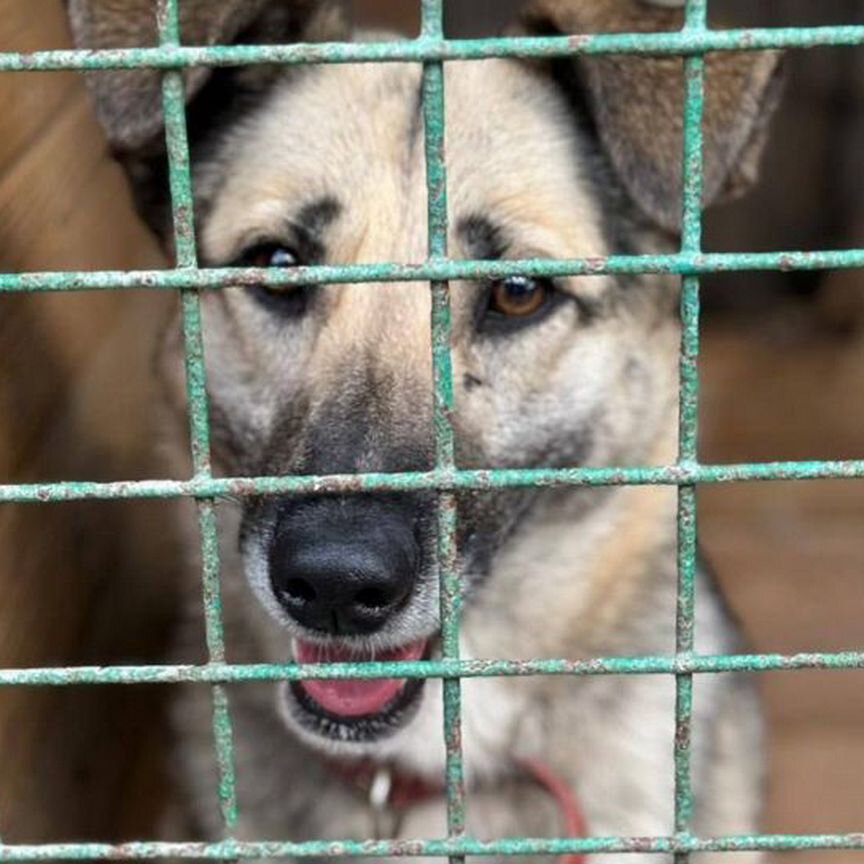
[(325, 165)]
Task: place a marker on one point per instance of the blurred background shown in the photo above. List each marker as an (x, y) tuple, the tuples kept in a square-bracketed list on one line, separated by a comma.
[(783, 378)]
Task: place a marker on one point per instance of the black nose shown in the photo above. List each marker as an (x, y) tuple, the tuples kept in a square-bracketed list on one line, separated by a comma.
[(344, 567)]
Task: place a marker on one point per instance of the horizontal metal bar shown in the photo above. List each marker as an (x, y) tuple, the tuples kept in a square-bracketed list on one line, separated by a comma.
[(234, 849), (442, 480), (683, 264), (224, 673), (426, 48)]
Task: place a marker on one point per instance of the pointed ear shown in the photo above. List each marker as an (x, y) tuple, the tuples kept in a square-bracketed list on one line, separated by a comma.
[(636, 103), (128, 101)]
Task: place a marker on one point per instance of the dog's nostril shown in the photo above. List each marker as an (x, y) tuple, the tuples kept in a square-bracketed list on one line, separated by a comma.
[(372, 598), (300, 589)]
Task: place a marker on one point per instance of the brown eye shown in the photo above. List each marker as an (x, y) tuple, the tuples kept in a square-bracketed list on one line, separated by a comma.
[(285, 300), (269, 255), (519, 296)]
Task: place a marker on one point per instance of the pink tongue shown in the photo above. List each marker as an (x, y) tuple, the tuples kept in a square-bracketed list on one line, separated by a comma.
[(359, 697)]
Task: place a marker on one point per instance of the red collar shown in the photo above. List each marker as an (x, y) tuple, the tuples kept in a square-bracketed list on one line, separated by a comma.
[(399, 791)]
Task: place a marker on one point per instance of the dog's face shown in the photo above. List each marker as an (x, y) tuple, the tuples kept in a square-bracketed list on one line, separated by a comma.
[(326, 166), (337, 379)]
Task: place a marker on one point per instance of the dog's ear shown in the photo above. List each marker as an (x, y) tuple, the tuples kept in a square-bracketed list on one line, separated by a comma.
[(128, 101), (636, 103)]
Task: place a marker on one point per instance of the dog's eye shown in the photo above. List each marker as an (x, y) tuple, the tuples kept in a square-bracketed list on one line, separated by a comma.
[(269, 255), (519, 296), (285, 299)]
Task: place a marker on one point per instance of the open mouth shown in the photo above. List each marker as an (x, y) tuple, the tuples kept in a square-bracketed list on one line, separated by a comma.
[(355, 709)]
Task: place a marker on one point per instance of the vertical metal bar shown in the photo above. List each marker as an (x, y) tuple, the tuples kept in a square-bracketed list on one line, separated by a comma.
[(442, 375), (436, 184), (691, 241), (182, 210)]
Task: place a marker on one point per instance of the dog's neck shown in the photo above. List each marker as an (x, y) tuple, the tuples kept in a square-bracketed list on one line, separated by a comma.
[(392, 791)]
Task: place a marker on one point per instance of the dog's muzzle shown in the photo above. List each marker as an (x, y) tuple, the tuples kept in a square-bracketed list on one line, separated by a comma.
[(343, 570)]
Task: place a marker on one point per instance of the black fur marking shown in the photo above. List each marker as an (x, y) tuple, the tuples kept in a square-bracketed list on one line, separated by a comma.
[(471, 382), (286, 306), (483, 239), (303, 234), (360, 427), (309, 227), (317, 216)]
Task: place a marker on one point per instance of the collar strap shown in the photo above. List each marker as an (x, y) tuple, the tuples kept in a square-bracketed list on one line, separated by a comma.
[(575, 824), (396, 790)]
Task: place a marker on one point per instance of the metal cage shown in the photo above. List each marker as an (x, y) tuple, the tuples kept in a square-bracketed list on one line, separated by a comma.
[(433, 50)]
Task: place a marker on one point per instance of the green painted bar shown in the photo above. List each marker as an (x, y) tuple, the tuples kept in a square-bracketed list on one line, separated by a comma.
[(681, 264), (450, 587), (434, 49), (677, 264), (462, 846), (223, 673), (183, 221), (223, 735), (451, 606), (695, 19), (184, 244), (436, 185), (236, 488)]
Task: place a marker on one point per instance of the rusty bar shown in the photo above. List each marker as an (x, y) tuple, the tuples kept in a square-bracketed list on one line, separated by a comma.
[(238, 488), (695, 21), (224, 673), (182, 214), (681, 264), (457, 847), (450, 587), (425, 49)]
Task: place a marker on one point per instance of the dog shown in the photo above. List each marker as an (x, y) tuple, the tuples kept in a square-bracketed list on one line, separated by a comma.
[(579, 157)]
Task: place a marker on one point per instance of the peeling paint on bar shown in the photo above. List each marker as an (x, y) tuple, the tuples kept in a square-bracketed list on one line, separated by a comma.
[(450, 590), (224, 673), (695, 15), (186, 255), (427, 48), (233, 488), (233, 849), (682, 264)]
